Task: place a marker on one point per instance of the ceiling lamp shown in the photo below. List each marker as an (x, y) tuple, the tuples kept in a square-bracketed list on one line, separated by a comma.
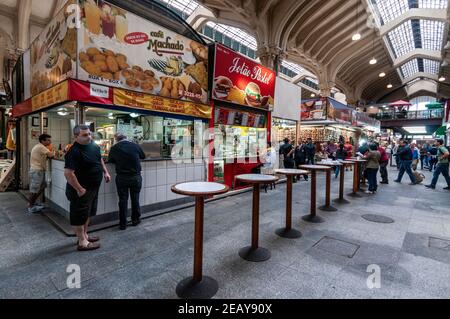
[(382, 75), (356, 37), (134, 115), (373, 61), (389, 86), (442, 79), (313, 95), (63, 111)]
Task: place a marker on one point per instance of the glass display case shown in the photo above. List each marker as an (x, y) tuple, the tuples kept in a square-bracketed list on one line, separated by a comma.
[(234, 145)]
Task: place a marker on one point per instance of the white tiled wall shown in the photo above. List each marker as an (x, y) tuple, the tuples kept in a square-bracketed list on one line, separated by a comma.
[(157, 179)]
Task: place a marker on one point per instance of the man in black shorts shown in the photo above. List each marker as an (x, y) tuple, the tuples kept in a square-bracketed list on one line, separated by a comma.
[(84, 171)]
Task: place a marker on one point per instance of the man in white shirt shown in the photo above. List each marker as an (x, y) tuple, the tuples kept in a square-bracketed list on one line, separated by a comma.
[(38, 165)]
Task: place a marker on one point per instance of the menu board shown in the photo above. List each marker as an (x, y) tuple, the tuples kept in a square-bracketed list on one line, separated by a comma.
[(120, 49), (239, 80), (52, 56), (315, 110), (239, 118)]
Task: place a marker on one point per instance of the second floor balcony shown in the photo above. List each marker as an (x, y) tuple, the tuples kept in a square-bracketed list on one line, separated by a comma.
[(394, 115)]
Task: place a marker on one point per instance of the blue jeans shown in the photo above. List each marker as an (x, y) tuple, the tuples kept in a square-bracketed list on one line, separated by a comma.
[(405, 166), (440, 168), (372, 178), (336, 172)]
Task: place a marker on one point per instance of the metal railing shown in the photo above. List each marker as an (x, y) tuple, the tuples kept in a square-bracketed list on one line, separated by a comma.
[(410, 115)]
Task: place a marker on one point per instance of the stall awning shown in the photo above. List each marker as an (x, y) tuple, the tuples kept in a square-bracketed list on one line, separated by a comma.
[(400, 103), (440, 131)]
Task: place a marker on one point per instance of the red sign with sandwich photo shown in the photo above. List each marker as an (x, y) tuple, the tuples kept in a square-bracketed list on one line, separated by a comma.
[(240, 80)]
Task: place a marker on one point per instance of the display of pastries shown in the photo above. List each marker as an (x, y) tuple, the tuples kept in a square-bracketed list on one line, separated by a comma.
[(199, 72)]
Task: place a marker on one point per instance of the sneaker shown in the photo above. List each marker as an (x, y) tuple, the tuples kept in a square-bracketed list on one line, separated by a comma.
[(447, 188), (34, 210), (397, 181), (368, 192), (123, 227), (430, 186), (412, 184), (384, 182)]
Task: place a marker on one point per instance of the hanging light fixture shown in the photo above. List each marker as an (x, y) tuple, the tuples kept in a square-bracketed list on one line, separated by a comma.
[(382, 75), (373, 61), (442, 79), (389, 86), (357, 35), (313, 95)]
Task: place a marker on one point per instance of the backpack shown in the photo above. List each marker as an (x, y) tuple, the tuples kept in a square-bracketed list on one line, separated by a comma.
[(419, 177)]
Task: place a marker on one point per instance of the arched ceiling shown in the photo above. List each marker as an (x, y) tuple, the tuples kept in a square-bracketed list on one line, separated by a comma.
[(313, 33), (317, 34)]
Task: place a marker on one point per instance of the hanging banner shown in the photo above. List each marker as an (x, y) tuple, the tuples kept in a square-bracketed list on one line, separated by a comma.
[(315, 110), (120, 49), (52, 56), (56, 95), (159, 104), (237, 79)]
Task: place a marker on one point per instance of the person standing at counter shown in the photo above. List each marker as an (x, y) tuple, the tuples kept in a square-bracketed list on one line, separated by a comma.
[(38, 165), (126, 156), (84, 171), (310, 151)]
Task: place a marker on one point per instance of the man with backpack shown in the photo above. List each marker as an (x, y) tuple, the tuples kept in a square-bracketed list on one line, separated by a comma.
[(442, 165)]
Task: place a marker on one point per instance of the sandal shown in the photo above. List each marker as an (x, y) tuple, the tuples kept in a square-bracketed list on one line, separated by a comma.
[(90, 246), (91, 239)]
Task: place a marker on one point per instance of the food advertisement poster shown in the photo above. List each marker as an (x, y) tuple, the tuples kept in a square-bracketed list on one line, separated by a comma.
[(120, 49), (315, 110), (53, 54), (240, 80), (340, 115), (159, 104), (239, 118)]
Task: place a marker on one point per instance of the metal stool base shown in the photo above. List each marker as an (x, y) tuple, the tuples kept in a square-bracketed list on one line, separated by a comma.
[(313, 219), (328, 208), (288, 233), (256, 255), (341, 201), (188, 288)]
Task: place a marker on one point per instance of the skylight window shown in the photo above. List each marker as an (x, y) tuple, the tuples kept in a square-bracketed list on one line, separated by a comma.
[(185, 6), (402, 39), (390, 9), (236, 34), (293, 67), (433, 4), (431, 66), (431, 33), (410, 68)]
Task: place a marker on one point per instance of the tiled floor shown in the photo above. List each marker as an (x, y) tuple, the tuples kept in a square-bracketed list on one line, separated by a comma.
[(330, 261)]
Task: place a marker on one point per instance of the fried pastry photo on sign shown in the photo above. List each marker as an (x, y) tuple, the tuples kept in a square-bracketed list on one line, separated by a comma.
[(236, 95), (199, 73), (69, 43), (200, 51)]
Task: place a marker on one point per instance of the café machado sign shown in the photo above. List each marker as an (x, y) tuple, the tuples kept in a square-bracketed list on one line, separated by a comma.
[(242, 81)]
